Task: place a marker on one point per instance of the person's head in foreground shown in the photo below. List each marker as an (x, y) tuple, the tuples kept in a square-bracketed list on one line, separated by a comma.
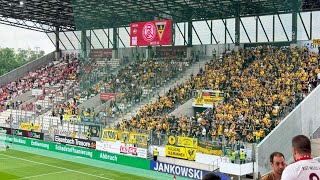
[(304, 167), (277, 162), (211, 176), (301, 147)]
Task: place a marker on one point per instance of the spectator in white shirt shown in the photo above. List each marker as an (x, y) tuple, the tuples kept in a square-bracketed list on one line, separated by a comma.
[(305, 167)]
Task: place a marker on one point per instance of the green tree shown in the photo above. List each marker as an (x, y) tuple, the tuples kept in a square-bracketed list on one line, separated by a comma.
[(11, 59), (8, 60)]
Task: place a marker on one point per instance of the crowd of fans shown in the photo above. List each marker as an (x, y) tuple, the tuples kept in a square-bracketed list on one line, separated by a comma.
[(57, 72), (267, 82)]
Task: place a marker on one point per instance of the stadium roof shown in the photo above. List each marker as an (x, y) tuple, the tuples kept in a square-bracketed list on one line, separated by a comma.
[(70, 15)]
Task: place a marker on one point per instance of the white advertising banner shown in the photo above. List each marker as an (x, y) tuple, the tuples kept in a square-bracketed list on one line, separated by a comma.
[(133, 151), (118, 147), (112, 147)]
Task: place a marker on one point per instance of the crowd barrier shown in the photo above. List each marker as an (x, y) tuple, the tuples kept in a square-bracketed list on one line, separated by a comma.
[(122, 148), (23, 133), (83, 152), (135, 162)]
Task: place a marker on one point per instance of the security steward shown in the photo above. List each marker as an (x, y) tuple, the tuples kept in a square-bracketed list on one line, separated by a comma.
[(242, 157), (233, 157), (155, 154)]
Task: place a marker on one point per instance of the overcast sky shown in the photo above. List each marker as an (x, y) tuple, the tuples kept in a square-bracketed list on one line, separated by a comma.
[(14, 37)]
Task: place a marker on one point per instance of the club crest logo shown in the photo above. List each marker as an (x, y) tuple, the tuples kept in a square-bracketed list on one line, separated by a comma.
[(149, 32), (161, 27)]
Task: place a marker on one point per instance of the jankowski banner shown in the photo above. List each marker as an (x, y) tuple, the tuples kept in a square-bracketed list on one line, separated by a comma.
[(183, 171), (75, 141), (151, 33), (23, 133)]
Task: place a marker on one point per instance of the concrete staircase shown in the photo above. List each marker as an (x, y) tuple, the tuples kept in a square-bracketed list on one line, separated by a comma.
[(316, 134), (315, 146), (315, 143), (185, 109), (193, 69)]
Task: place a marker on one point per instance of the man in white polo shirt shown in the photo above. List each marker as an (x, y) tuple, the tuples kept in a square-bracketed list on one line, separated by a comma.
[(304, 168)]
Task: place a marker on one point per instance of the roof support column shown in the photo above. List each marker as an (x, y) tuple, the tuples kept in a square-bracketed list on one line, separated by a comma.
[(148, 52), (189, 45), (257, 28), (294, 22), (310, 25), (237, 34), (57, 51), (225, 34), (115, 43), (84, 43), (237, 26), (273, 28)]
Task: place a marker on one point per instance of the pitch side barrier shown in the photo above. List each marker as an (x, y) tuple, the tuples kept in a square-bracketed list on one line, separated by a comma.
[(83, 152), (141, 163)]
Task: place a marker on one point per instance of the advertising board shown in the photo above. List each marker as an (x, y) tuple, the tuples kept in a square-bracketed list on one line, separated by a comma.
[(23, 133), (75, 141)]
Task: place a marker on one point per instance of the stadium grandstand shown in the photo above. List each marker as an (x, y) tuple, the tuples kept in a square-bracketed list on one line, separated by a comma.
[(160, 89)]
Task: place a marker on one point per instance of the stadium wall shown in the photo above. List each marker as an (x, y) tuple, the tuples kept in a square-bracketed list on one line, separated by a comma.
[(304, 119), (130, 51), (19, 72), (206, 50)]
